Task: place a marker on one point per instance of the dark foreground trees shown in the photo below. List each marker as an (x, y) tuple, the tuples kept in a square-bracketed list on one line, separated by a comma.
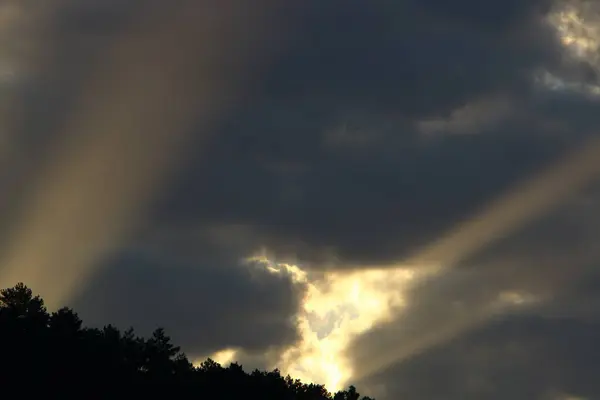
[(53, 355)]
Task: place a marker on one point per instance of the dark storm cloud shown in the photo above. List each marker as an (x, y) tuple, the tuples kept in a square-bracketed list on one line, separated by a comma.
[(410, 57), (372, 203), (219, 304), (334, 157)]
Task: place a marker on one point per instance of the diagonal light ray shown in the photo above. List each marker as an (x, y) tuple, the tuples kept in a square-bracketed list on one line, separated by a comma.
[(521, 205), (174, 68)]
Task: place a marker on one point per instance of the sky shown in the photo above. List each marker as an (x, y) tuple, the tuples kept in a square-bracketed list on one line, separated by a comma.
[(400, 195)]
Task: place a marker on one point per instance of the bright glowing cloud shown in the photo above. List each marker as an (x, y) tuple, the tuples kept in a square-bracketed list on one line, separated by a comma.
[(577, 23), (337, 307), (224, 357), (340, 306)]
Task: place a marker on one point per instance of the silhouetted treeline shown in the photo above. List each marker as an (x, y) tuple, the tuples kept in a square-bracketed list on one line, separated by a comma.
[(54, 356)]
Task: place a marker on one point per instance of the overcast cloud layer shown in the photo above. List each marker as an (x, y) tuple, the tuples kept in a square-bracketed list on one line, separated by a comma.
[(375, 128)]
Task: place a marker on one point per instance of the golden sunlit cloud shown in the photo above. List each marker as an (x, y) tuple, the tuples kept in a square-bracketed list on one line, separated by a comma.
[(223, 357), (577, 23), (340, 306), (337, 308)]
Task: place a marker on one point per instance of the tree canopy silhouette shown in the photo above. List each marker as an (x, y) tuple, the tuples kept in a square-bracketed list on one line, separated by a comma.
[(55, 354)]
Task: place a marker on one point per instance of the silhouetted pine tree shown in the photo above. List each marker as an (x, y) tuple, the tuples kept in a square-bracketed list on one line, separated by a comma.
[(54, 355)]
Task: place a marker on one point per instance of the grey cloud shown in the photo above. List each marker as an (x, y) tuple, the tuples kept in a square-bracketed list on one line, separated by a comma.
[(97, 17), (369, 204), (411, 57), (450, 343), (493, 16), (205, 308), (521, 357)]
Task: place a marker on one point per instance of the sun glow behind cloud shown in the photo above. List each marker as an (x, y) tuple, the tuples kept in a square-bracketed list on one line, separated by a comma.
[(224, 356), (338, 306), (577, 24)]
